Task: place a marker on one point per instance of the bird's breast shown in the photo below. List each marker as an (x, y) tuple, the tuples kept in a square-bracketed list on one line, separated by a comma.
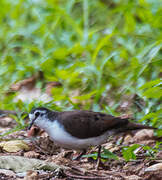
[(64, 139)]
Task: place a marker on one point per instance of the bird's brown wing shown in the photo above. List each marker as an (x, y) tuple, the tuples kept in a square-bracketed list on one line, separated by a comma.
[(86, 124)]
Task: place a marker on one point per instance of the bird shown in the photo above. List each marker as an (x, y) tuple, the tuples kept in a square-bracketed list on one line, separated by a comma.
[(80, 129)]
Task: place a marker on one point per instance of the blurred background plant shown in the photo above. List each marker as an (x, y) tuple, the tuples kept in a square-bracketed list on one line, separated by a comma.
[(106, 55)]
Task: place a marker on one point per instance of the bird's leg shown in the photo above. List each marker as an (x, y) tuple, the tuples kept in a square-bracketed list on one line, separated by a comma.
[(80, 155), (99, 163)]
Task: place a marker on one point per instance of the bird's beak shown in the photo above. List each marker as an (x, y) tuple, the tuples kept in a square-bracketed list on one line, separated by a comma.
[(32, 118)]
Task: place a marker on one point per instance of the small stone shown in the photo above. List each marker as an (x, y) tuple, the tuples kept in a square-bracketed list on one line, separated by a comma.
[(144, 134)]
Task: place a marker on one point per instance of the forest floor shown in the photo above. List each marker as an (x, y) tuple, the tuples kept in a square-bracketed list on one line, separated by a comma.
[(18, 144), (38, 157)]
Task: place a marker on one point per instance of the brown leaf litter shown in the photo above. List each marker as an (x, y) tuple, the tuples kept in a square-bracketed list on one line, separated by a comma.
[(44, 149)]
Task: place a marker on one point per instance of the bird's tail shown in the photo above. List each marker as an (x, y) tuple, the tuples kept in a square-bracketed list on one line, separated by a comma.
[(134, 126)]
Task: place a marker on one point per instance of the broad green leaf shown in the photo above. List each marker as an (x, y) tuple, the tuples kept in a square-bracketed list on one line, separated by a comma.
[(109, 155), (154, 92), (128, 152), (86, 96), (151, 84)]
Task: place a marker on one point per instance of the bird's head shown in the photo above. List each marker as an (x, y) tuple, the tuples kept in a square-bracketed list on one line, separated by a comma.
[(38, 116)]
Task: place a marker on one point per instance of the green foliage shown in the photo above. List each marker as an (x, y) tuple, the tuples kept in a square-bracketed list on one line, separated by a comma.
[(105, 155), (128, 152), (108, 155), (107, 50), (152, 89), (152, 151)]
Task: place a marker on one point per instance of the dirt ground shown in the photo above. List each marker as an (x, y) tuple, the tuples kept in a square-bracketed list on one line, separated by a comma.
[(16, 144)]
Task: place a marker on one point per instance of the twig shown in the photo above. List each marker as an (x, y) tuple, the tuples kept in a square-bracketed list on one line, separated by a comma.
[(84, 177)]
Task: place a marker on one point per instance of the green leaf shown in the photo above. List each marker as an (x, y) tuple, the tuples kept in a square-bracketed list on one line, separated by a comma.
[(105, 155), (85, 96), (128, 152), (94, 156), (154, 92), (109, 155), (100, 45), (151, 84)]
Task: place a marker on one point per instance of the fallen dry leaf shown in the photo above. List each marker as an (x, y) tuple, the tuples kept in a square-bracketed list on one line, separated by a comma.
[(34, 131), (29, 83), (31, 175), (14, 146), (27, 90), (7, 172), (155, 167), (127, 139), (21, 164)]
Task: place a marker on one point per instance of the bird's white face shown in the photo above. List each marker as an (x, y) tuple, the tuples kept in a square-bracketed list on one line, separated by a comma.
[(38, 117)]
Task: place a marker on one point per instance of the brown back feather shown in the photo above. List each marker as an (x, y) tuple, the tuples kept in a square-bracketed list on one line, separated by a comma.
[(86, 124)]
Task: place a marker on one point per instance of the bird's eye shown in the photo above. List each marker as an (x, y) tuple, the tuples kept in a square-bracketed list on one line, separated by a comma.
[(37, 114)]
